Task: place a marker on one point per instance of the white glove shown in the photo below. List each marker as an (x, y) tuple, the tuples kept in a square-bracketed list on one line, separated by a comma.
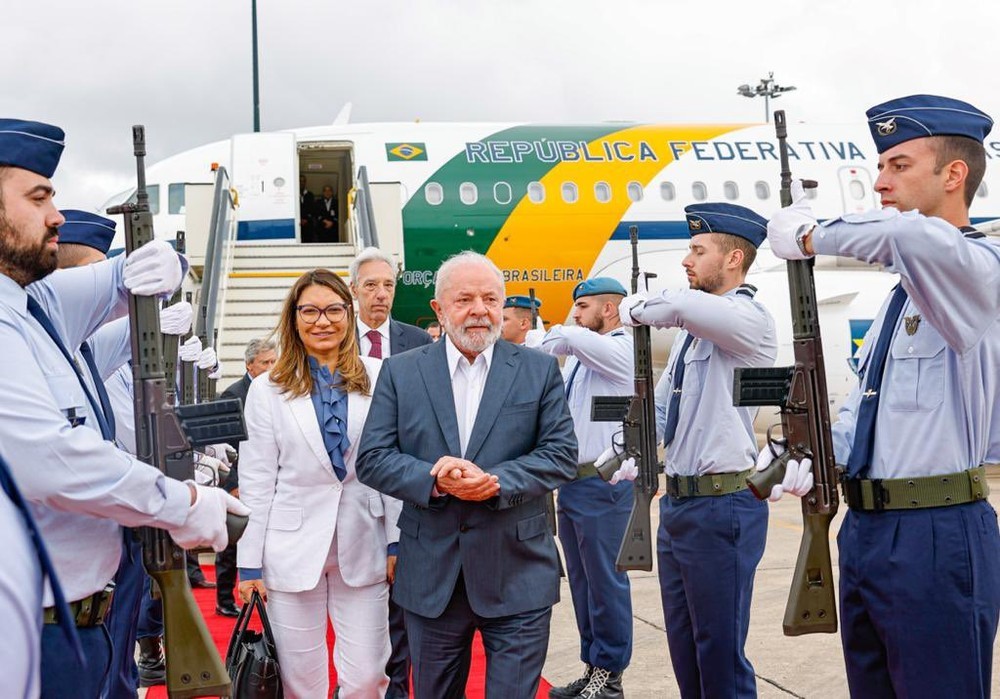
[(628, 471), (533, 338), (190, 349), (206, 519), (539, 325), (153, 269), (633, 302), (209, 470), (207, 359), (176, 319), (223, 452), (216, 373), (798, 475), (787, 224)]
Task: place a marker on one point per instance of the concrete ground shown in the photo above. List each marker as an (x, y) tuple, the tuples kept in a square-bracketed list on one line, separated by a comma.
[(805, 666)]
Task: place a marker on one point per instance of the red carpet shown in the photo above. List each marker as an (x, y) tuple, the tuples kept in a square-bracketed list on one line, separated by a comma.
[(222, 627)]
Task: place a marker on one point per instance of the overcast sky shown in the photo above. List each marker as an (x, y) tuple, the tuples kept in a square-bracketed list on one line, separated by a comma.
[(183, 67)]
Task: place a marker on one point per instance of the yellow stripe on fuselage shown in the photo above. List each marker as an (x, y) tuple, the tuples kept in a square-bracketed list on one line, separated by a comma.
[(561, 241)]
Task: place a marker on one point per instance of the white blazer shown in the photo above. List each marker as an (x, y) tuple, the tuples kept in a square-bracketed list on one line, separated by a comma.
[(298, 504)]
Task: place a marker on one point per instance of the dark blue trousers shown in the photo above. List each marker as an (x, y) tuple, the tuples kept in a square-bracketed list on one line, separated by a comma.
[(919, 601), (62, 675), (123, 619), (398, 666), (150, 613), (441, 650), (592, 520), (708, 549)]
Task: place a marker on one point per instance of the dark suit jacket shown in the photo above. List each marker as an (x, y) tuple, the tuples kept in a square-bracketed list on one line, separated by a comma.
[(236, 390), (523, 434), (403, 336)]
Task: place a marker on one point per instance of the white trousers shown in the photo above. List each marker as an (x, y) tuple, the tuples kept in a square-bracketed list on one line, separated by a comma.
[(360, 618)]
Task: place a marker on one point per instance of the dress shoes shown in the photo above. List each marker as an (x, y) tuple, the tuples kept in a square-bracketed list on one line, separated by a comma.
[(203, 583), (227, 609)]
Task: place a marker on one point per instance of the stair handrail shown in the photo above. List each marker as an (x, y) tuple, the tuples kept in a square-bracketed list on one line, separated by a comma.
[(366, 213), (221, 239)]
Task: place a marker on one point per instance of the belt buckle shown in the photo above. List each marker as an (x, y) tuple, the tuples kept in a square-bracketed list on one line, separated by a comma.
[(672, 486), (880, 496), (852, 491)]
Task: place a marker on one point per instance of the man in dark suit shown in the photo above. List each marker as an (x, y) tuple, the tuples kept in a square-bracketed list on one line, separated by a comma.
[(260, 356), (307, 211), (325, 218), (472, 471), (373, 283)]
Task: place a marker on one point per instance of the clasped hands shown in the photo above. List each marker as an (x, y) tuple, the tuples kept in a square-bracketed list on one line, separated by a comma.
[(464, 480)]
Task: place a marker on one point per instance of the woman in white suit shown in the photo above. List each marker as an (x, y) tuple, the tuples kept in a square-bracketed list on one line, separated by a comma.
[(319, 543)]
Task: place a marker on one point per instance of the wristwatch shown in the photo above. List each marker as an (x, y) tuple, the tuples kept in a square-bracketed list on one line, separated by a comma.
[(800, 238)]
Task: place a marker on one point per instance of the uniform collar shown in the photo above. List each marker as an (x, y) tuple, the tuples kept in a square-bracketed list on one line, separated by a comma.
[(13, 295)]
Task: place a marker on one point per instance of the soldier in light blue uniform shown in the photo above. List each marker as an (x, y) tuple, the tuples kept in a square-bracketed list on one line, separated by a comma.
[(53, 432), (517, 318), (919, 546), (593, 516), (712, 529)]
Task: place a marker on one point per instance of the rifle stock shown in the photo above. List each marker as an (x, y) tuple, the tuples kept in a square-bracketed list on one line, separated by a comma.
[(194, 668), (800, 392)]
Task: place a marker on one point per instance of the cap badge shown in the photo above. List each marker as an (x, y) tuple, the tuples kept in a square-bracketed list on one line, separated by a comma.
[(694, 224), (886, 128)]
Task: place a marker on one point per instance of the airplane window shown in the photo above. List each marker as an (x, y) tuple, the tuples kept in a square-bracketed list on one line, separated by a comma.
[(468, 193), (602, 192), (433, 193), (763, 190), (175, 198), (569, 192), (634, 191), (699, 191), (667, 191), (502, 193), (536, 192), (983, 190), (856, 188), (730, 190)]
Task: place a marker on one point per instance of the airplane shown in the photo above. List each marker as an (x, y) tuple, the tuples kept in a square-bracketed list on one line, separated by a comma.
[(551, 205)]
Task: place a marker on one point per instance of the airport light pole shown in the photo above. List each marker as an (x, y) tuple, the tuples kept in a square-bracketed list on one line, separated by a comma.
[(256, 77), (766, 88)]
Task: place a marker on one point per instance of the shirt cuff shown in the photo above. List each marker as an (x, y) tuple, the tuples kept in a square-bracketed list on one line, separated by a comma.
[(251, 574), (392, 549)]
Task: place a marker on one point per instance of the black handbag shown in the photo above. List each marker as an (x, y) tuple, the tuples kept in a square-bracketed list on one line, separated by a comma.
[(251, 660)]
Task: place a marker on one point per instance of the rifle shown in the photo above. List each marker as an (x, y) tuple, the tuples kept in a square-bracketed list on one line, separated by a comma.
[(638, 416), (164, 438), (801, 394), (188, 370)]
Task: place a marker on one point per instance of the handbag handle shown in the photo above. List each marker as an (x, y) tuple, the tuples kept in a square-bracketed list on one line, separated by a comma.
[(242, 622), (258, 603)]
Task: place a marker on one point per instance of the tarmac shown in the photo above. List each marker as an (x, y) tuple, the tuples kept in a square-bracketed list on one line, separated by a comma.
[(804, 666)]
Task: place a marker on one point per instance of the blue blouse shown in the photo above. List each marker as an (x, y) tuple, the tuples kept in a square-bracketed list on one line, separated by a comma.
[(329, 400)]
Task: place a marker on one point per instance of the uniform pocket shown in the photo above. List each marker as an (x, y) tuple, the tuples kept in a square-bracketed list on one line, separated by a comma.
[(286, 520), (375, 506), (68, 394), (918, 370)]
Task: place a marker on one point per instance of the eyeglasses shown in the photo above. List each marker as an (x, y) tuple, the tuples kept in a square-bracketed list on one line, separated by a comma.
[(334, 313)]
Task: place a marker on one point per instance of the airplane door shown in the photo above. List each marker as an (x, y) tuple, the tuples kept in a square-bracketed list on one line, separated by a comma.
[(857, 190), (387, 202), (264, 168)]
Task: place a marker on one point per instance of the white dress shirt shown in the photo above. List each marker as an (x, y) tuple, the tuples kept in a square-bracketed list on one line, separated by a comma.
[(365, 345), (467, 383)]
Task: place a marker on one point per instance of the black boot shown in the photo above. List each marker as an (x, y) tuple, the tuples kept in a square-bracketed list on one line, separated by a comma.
[(573, 689), (152, 669), (603, 684)]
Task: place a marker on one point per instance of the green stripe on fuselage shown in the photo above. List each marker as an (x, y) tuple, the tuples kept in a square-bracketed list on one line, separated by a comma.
[(433, 233)]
